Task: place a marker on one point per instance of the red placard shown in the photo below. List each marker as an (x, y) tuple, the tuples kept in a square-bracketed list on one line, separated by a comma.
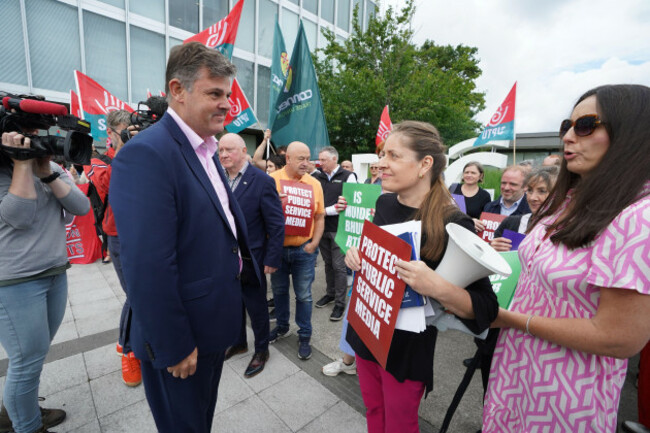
[(298, 206), (378, 292), (491, 221), (81, 239)]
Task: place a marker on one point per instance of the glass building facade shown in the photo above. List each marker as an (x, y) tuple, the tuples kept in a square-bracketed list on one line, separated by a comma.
[(124, 44)]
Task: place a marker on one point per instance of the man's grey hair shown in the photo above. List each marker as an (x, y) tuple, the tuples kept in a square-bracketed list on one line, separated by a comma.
[(186, 61), (117, 118), (331, 150)]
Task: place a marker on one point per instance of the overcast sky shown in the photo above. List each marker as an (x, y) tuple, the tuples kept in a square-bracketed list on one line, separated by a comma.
[(554, 49)]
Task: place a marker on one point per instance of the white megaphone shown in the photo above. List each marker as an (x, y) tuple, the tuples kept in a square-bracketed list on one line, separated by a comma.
[(468, 258)]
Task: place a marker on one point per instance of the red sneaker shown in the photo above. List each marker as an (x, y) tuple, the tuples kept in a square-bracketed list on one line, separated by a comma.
[(131, 373), (119, 349)]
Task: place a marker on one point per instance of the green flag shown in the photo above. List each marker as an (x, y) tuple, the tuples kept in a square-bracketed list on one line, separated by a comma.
[(299, 112), (361, 199), (279, 68)]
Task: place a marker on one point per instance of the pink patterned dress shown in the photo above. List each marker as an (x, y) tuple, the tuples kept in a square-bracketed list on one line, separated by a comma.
[(538, 386)]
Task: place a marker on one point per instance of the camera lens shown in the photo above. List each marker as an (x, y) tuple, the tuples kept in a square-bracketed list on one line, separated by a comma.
[(77, 147)]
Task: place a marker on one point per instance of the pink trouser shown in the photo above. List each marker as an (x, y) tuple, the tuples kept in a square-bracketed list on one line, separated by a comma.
[(391, 406)]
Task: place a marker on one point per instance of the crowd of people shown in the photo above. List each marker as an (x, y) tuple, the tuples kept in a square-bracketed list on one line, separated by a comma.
[(554, 361)]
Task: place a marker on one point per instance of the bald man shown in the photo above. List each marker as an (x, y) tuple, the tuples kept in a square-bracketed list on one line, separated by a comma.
[(258, 199), (304, 224)]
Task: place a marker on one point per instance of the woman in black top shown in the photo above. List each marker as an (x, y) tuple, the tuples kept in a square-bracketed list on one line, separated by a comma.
[(475, 197), (412, 168)]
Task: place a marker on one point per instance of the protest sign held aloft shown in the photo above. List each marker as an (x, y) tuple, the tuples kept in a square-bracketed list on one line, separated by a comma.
[(361, 199), (377, 292), (491, 221)]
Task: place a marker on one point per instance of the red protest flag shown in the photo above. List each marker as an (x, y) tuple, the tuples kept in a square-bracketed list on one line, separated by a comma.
[(95, 103), (221, 36), (378, 292), (385, 126), (82, 243), (74, 104), (241, 114)]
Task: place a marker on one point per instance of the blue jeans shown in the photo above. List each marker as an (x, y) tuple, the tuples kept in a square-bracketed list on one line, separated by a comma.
[(30, 315), (125, 318), (300, 265)]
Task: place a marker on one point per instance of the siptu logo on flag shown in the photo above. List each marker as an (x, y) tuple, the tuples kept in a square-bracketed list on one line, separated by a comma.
[(385, 126), (502, 123), (221, 36), (299, 112), (279, 69), (74, 104), (95, 103), (241, 114)]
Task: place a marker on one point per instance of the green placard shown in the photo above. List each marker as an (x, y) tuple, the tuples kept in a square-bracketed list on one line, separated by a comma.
[(361, 199), (504, 287)]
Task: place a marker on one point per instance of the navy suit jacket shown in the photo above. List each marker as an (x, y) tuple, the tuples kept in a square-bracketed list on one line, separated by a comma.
[(262, 208), (495, 207), (179, 255)]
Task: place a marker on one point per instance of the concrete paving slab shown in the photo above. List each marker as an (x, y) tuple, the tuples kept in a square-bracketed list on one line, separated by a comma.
[(95, 307), (62, 374), (67, 331), (77, 401), (133, 418), (252, 416), (102, 361), (277, 369), (96, 290), (91, 427), (337, 419), (101, 322), (298, 399), (110, 394), (232, 389)]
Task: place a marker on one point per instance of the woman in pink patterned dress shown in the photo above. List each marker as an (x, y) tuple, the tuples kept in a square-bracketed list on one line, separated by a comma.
[(582, 305)]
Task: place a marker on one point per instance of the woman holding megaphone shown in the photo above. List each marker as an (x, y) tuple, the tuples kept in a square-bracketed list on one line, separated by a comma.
[(581, 306), (412, 169)]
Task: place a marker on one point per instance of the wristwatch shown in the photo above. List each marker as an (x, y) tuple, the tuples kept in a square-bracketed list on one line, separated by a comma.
[(50, 178)]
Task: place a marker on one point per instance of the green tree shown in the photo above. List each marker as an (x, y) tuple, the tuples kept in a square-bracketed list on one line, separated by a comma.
[(380, 66)]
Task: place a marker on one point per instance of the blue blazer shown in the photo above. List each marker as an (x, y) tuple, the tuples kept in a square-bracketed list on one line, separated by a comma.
[(179, 255), (262, 208), (495, 207)]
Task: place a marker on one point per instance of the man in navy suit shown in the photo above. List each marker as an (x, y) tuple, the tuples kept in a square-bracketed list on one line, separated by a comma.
[(512, 200), (260, 203), (183, 242)]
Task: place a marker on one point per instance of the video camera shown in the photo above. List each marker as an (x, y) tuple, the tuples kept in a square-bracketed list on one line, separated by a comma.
[(24, 114), (144, 118)]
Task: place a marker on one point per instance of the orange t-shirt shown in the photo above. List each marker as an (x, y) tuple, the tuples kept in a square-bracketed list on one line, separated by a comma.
[(318, 206)]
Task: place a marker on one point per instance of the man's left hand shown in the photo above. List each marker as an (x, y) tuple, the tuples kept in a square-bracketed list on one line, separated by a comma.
[(269, 269), (186, 367), (310, 248)]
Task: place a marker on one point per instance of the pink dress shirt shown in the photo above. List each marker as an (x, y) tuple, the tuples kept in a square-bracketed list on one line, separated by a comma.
[(205, 150)]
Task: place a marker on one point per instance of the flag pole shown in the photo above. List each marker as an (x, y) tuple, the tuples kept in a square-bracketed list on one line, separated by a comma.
[(514, 134)]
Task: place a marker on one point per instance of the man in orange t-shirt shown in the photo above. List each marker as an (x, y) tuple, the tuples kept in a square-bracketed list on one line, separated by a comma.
[(304, 212)]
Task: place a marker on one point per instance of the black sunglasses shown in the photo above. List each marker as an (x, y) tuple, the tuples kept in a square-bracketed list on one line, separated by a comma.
[(582, 126)]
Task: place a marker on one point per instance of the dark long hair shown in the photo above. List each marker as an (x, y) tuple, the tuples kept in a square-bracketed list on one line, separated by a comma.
[(617, 181), (424, 139)]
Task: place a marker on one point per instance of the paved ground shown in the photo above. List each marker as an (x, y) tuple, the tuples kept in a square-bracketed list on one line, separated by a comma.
[(82, 375)]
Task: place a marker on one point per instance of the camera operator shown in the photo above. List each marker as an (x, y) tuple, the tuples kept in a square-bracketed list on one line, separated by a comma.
[(35, 195)]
